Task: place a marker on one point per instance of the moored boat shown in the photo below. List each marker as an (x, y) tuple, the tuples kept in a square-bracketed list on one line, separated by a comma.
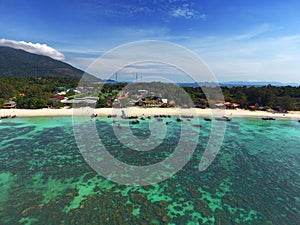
[(179, 119), (94, 115), (5, 117), (135, 122), (133, 117), (196, 125), (159, 119), (268, 118), (187, 116), (223, 118)]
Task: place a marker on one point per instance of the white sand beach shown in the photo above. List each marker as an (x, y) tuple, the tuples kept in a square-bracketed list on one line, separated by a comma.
[(138, 111)]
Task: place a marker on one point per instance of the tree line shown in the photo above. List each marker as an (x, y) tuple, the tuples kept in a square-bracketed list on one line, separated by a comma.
[(267, 97), (36, 93), (32, 93)]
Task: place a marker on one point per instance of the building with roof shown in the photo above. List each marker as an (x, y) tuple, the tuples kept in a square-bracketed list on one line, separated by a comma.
[(10, 105)]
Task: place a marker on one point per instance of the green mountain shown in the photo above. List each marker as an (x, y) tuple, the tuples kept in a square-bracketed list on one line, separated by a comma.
[(19, 63)]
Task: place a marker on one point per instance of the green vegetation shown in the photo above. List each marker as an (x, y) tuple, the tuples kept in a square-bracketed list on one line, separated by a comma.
[(19, 63), (2, 101), (32, 80), (268, 97), (277, 98), (15, 62), (33, 93), (37, 92), (153, 93), (285, 98)]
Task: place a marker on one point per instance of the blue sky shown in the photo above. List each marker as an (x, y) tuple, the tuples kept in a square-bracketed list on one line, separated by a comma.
[(238, 40)]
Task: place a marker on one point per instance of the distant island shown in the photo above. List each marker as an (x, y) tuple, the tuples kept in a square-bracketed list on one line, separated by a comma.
[(239, 83)]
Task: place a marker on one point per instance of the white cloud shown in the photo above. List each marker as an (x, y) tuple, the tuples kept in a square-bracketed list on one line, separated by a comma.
[(187, 13), (292, 38), (253, 33), (182, 13), (36, 48)]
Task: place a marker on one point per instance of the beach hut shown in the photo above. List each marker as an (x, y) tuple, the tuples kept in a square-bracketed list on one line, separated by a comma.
[(230, 105), (252, 107), (164, 102), (10, 105)]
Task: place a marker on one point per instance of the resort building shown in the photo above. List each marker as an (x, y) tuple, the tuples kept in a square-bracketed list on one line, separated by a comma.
[(10, 105)]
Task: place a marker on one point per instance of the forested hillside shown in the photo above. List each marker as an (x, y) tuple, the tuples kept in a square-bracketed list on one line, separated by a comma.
[(19, 63)]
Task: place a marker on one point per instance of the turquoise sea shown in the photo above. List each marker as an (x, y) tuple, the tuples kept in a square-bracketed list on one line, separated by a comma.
[(255, 178)]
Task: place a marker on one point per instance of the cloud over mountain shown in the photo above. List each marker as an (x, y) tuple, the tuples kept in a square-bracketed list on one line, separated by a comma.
[(36, 48)]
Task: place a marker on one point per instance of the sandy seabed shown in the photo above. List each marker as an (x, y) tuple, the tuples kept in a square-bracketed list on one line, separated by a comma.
[(139, 111)]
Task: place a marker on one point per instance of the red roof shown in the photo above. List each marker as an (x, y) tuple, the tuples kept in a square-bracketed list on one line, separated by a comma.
[(57, 98)]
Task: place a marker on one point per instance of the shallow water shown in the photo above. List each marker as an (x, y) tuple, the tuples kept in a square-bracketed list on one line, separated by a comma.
[(254, 179)]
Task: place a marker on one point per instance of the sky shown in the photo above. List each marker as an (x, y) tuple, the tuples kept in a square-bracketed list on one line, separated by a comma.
[(238, 40)]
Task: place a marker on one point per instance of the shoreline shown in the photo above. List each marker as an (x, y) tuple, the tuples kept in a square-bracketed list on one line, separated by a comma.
[(138, 111)]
